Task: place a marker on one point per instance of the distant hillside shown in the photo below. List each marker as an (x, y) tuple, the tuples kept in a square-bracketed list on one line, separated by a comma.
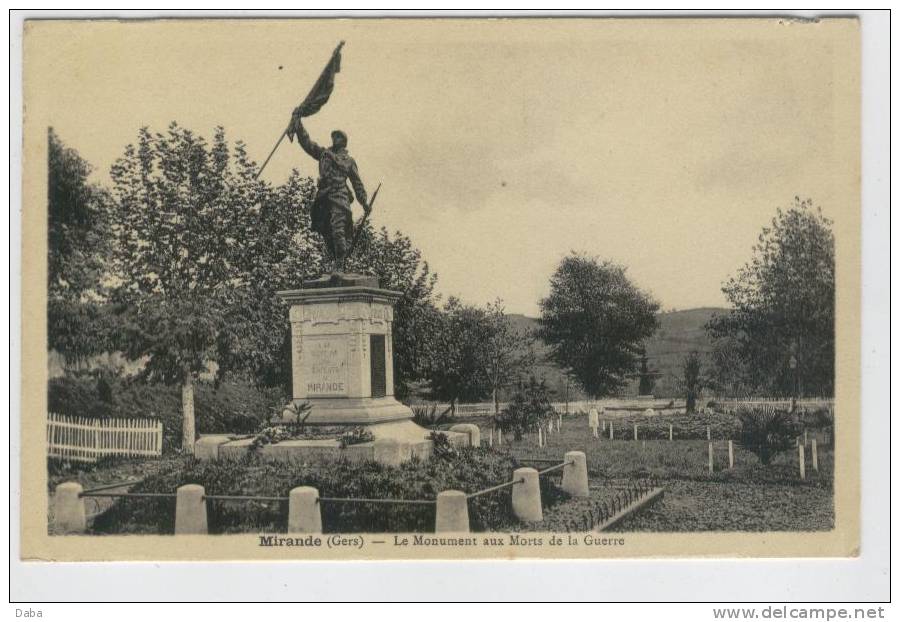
[(679, 333)]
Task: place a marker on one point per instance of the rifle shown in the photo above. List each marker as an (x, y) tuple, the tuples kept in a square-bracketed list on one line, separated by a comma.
[(362, 222)]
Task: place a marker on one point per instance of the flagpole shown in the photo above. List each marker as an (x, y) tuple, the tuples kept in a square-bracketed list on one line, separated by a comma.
[(271, 153)]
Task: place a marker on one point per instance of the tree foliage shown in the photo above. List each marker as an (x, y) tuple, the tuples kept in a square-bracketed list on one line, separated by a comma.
[(781, 323), (473, 352), (529, 408), (509, 352), (78, 222), (595, 322), (456, 367)]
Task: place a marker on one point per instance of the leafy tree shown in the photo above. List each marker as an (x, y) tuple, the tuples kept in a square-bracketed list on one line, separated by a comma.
[(508, 351), (78, 249), (457, 361), (529, 408), (191, 224), (782, 316), (595, 321)]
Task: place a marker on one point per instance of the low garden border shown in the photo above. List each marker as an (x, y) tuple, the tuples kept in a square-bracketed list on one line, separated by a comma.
[(304, 513)]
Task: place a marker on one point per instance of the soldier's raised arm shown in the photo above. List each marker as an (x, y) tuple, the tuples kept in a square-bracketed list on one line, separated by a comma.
[(307, 143), (358, 188)]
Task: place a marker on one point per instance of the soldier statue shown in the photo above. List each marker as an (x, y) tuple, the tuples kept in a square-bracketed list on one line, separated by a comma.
[(331, 216)]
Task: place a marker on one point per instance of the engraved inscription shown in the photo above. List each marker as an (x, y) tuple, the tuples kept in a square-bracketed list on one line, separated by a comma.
[(325, 366)]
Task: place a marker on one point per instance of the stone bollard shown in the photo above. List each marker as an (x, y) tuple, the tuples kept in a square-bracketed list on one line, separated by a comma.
[(190, 510), (68, 509), (452, 512), (304, 511), (390, 451), (526, 495), (575, 477), (472, 430)]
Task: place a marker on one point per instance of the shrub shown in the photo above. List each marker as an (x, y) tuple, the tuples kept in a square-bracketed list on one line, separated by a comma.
[(766, 432), (441, 446), (530, 407)]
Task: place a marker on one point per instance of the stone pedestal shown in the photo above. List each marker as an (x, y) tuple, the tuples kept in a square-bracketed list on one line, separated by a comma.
[(342, 355)]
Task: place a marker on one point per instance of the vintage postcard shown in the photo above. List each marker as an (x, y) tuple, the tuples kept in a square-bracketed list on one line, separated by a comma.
[(440, 288)]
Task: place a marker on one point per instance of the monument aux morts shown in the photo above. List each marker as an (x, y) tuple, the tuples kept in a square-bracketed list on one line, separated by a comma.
[(341, 339)]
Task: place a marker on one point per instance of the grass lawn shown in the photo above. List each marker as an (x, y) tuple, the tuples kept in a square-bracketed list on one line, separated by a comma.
[(749, 497)]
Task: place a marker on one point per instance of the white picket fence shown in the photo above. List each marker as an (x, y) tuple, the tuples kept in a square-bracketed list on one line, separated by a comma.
[(85, 439)]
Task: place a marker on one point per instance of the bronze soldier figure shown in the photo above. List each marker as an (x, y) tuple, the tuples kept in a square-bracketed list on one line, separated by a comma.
[(331, 216)]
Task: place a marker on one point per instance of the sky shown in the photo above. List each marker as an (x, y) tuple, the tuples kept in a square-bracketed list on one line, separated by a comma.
[(502, 145)]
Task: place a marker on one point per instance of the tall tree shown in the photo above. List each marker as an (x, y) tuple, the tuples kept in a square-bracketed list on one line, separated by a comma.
[(78, 227), (782, 315), (185, 221), (456, 368), (595, 321), (509, 352)]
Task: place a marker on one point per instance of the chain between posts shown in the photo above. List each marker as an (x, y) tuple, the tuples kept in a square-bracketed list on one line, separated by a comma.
[(485, 491), (162, 495), (556, 467), (382, 501)]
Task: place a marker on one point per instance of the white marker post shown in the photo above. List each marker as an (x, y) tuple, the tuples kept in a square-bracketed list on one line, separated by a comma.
[(491, 439), (499, 437), (708, 436), (610, 430), (801, 450), (815, 455), (635, 432), (710, 457), (730, 454), (540, 437), (670, 432)]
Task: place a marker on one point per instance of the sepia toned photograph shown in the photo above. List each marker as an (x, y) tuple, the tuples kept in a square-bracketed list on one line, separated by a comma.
[(440, 288)]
